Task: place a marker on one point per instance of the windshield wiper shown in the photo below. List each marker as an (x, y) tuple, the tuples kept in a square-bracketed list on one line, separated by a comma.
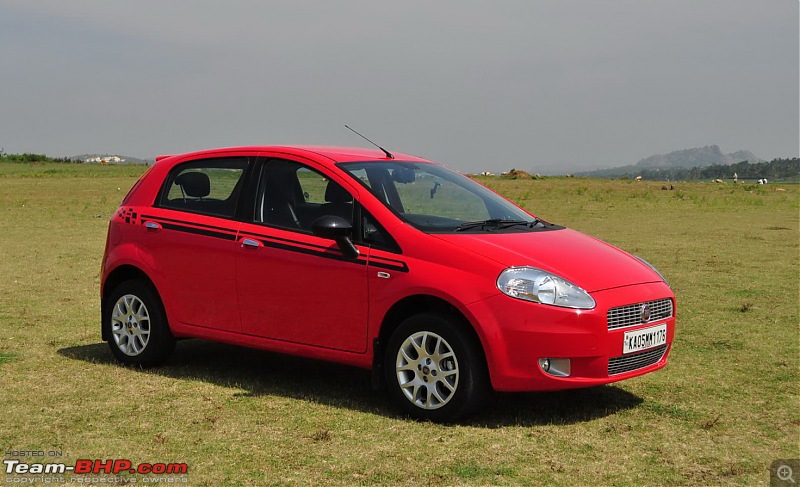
[(496, 223), (514, 223), (537, 221)]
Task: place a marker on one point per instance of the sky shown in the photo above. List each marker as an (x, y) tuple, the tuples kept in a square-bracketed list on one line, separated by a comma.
[(480, 86)]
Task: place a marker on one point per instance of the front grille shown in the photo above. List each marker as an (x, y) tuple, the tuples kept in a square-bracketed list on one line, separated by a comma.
[(636, 361), (632, 314)]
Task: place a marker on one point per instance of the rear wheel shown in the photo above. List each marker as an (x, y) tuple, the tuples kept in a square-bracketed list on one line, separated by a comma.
[(434, 369), (138, 333)]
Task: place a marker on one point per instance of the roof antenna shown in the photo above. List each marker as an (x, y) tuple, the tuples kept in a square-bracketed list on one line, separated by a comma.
[(388, 154)]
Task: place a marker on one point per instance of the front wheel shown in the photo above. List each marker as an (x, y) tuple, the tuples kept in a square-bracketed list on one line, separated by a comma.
[(136, 325), (435, 369)]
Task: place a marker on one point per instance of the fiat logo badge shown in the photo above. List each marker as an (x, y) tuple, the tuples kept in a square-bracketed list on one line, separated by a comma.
[(646, 313)]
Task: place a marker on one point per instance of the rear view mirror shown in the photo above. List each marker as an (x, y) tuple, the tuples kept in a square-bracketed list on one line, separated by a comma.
[(404, 175)]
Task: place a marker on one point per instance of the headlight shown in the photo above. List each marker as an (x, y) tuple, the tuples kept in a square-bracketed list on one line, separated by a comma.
[(648, 264), (532, 284)]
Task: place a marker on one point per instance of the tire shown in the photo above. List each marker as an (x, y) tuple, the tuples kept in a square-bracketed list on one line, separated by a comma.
[(136, 325), (435, 369)]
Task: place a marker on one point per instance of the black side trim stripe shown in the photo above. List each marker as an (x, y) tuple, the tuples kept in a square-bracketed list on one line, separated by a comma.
[(315, 253), (182, 222), (276, 243), (271, 238), (394, 265), (199, 231), (269, 241)]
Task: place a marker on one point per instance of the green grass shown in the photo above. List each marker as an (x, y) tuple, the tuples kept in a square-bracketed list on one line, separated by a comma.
[(723, 409)]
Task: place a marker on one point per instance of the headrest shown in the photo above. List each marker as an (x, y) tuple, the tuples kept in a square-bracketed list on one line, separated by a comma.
[(194, 184), (336, 194)]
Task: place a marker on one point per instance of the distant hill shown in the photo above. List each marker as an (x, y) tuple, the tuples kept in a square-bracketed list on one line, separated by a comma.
[(110, 159), (776, 170), (697, 157)]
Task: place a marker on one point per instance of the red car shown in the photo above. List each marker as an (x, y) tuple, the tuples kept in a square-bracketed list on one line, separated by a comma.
[(441, 287)]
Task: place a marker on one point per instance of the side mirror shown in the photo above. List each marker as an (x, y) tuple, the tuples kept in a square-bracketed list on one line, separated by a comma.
[(338, 229)]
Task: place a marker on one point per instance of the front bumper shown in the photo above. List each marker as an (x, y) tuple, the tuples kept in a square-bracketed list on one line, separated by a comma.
[(516, 334)]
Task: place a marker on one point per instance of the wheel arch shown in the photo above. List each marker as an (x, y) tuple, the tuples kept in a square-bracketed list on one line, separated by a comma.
[(407, 307), (122, 273)]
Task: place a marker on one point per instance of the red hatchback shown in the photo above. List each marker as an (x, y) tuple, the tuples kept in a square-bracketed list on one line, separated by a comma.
[(443, 288)]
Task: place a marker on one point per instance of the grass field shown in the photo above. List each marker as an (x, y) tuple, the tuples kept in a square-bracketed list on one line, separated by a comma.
[(725, 407)]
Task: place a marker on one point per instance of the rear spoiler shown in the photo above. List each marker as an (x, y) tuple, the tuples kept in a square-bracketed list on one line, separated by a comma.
[(158, 158)]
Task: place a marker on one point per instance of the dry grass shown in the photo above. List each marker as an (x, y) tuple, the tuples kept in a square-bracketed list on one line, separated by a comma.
[(725, 407)]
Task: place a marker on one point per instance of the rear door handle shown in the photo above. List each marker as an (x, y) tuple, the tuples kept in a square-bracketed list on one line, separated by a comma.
[(152, 226), (251, 243)]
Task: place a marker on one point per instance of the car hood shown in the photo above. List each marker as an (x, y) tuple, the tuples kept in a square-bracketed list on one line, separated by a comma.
[(583, 260)]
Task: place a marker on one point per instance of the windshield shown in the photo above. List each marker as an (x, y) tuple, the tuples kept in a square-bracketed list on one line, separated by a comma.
[(435, 199)]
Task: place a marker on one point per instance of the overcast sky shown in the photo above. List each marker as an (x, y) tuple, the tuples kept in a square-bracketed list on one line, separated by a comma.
[(477, 85)]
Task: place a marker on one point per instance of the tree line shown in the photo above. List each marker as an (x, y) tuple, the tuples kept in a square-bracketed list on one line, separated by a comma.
[(31, 157), (776, 169)]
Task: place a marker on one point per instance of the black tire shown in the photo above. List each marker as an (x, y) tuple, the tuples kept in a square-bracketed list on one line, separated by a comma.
[(424, 383), (136, 325)]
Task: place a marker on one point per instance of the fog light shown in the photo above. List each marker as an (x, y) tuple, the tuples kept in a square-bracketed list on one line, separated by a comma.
[(559, 367), (544, 363)]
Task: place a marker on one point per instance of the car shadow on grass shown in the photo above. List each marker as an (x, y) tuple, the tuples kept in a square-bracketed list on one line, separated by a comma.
[(261, 373)]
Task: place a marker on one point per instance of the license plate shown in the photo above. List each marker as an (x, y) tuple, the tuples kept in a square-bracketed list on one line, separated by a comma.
[(644, 339)]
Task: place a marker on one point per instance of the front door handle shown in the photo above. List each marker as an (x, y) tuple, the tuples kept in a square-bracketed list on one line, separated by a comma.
[(251, 243), (152, 226)]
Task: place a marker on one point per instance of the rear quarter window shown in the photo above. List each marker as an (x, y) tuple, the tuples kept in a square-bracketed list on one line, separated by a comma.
[(207, 186)]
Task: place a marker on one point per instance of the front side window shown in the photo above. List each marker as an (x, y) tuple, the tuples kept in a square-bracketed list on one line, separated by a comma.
[(208, 186), (292, 196), (435, 199)]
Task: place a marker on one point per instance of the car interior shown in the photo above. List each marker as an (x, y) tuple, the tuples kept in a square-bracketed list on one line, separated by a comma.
[(195, 195), (282, 202)]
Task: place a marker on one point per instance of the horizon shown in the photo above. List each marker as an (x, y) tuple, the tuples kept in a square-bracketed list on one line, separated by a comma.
[(479, 87), (583, 172)]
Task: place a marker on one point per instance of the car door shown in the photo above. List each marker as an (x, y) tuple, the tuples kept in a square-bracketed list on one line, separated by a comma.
[(191, 239), (294, 286)]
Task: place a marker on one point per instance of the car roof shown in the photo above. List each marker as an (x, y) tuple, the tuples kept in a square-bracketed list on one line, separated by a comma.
[(336, 154)]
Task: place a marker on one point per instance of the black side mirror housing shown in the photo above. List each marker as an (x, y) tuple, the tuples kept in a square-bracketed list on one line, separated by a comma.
[(338, 229)]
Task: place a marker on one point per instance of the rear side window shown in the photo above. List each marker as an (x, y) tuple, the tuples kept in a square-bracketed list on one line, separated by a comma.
[(207, 186)]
